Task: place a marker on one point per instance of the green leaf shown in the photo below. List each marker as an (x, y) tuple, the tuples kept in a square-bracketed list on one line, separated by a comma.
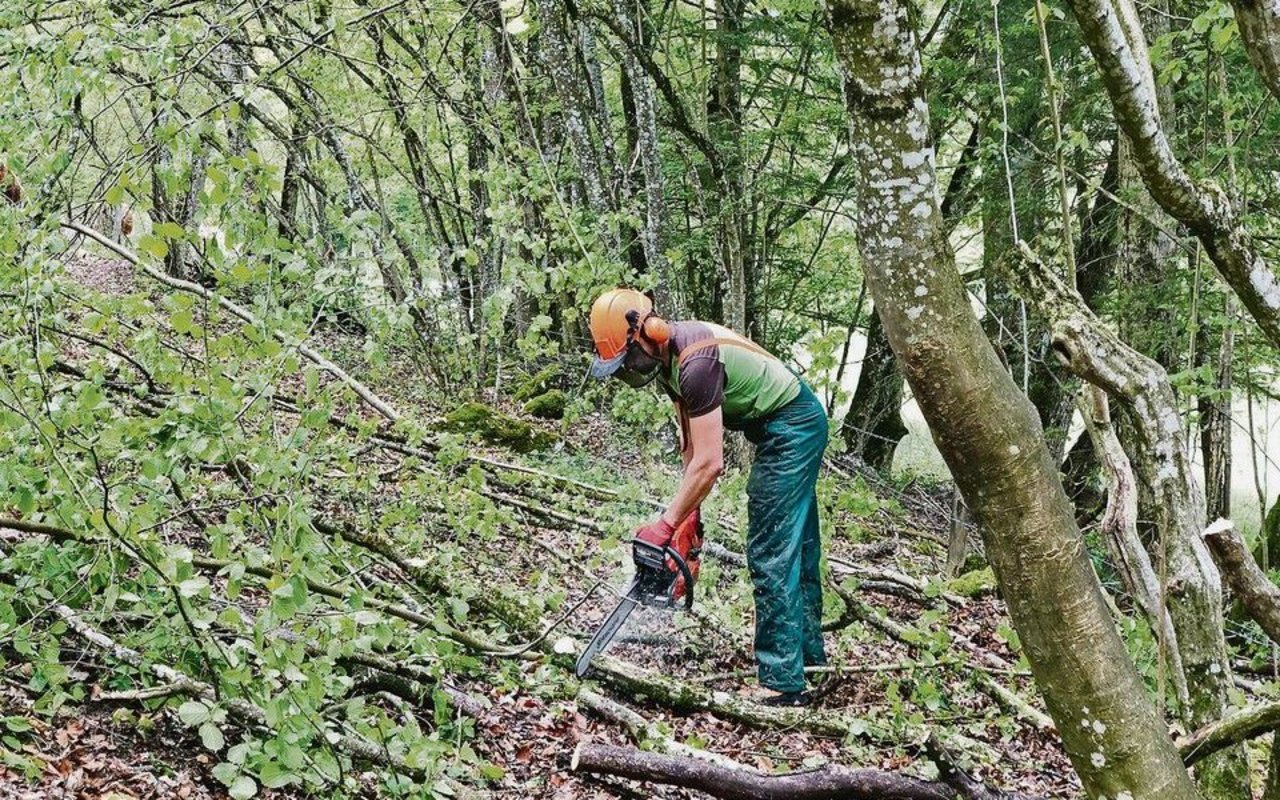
[(243, 788), (273, 775), (193, 586), (169, 230), (193, 713), (211, 736), (181, 320), (153, 245), (225, 772)]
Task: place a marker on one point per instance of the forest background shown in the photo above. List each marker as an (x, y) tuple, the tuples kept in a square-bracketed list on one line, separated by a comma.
[(301, 453)]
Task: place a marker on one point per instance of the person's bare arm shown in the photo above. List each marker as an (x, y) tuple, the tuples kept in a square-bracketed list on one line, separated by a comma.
[(682, 419), (703, 464)]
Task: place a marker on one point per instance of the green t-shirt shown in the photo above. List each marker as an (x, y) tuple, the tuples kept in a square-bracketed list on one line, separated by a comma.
[(735, 374)]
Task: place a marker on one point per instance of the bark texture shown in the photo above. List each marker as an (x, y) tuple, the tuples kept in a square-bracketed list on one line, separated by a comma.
[(986, 430), (824, 783), (643, 122), (1216, 343), (1114, 35), (1119, 528), (1259, 596)]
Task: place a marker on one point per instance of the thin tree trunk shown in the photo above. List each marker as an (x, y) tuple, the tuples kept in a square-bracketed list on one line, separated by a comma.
[(1214, 405), (987, 432), (566, 79), (724, 118), (643, 121), (873, 427)]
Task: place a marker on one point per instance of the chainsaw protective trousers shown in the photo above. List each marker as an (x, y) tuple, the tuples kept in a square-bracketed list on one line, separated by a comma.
[(783, 542)]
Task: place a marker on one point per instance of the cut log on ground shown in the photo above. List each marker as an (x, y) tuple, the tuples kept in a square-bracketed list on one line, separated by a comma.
[(830, 782), (647, 734)]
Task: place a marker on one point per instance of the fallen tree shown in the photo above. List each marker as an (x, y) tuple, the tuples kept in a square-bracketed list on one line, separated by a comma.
[(830, 782)]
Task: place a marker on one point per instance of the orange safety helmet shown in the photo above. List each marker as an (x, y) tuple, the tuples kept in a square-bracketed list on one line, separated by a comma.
[(616, 317)]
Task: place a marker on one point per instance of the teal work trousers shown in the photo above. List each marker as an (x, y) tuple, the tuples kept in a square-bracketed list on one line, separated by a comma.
[(783, 542)]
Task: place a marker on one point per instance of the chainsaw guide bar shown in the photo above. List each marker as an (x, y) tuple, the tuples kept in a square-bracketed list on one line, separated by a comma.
[(664, 577)]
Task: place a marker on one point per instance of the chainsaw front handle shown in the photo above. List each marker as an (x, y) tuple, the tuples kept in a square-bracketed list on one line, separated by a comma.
[(683, 567)]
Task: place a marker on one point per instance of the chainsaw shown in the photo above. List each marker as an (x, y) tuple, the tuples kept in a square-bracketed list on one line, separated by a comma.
[(664, 579)]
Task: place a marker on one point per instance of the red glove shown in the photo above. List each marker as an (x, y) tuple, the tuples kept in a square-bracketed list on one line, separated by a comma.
[(657, 533)]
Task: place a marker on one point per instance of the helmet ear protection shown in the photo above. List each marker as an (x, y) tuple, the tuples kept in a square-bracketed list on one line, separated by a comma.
[(655, 329), (651, 326)]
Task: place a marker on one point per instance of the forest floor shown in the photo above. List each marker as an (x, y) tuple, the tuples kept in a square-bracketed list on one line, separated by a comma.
[(936, 662)]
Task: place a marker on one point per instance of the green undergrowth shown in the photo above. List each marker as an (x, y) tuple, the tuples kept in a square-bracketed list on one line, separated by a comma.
[(974, 583), (98, 451), (539, 383)]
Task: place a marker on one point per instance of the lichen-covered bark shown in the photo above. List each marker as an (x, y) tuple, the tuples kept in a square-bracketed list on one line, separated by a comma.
[(1160, 459), (1259, 23), (643, 121), (561, 66), (987, 432), (1111, 30), (1271, 789), (1259, 596), (1119, 528), (727, 199)]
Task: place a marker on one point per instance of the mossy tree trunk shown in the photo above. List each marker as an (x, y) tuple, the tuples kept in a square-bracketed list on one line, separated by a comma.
[(986, 430)]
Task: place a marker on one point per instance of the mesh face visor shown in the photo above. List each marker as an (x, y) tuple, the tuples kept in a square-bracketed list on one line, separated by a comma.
[(638, 368)]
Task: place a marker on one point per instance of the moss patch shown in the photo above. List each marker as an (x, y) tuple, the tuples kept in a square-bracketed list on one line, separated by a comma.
[(548, 405), (497, 428), (975, 583), (537, 384)]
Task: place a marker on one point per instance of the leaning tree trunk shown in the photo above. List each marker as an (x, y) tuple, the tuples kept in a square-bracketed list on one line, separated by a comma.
[(1161, 460), (873, 427), (1259, 22), (987, 432), (1119, 529), (1114, 35)]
